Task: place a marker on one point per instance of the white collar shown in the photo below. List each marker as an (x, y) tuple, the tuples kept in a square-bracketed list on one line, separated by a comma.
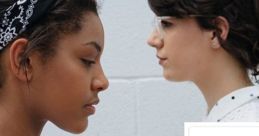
[(232, 101)]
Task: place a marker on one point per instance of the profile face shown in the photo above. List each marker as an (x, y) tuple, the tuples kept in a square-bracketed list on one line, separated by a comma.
[(67, 85), (183, 52)]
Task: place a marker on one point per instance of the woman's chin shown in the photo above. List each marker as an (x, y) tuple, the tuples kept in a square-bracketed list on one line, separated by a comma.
[(76, 128), (172, 76), (168, 75)]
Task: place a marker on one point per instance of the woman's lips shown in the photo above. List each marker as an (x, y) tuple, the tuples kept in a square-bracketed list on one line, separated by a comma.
[(161, 60), (90, 108)]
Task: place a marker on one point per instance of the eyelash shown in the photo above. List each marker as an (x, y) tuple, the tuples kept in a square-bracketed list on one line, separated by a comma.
[(165, 24), (88, 63)]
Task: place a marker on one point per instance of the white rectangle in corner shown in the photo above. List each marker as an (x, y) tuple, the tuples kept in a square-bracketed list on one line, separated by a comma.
[(221, 129)]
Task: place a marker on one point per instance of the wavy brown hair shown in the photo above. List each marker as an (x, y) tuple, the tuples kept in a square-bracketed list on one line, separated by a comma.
[(242, 15)]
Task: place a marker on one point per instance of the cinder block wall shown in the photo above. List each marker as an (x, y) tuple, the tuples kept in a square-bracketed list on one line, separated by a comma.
[(139, 102)]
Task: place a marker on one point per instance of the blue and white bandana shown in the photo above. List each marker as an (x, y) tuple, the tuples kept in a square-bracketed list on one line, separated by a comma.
[(22, 14)]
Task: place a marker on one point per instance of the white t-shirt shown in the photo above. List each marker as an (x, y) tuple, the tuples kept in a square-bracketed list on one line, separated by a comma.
[(241, 105)]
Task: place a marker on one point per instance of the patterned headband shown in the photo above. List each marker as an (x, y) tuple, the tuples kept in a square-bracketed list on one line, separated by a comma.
[(22, 14)]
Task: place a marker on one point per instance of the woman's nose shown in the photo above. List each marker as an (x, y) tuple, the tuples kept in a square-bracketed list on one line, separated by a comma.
[(100, 82), (154, 40)]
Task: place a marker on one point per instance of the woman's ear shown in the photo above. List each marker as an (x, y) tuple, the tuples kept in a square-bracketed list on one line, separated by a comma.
[(221, 32), (17, 49), (223, 27)]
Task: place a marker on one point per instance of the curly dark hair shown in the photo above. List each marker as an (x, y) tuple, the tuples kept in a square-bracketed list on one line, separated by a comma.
[(242, 16), (64, 17)]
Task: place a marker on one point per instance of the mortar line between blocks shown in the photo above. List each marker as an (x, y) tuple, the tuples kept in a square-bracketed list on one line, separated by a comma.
[(135, 79)]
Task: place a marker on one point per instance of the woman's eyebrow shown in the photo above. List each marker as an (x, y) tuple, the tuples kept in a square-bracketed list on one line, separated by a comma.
[(95, 45)]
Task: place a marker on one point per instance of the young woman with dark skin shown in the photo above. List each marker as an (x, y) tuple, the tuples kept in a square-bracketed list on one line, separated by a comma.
[(212, 43), (50, 65)]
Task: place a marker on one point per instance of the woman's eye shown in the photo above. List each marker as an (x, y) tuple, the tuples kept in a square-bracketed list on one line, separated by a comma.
[(165, 24), (88, 63)]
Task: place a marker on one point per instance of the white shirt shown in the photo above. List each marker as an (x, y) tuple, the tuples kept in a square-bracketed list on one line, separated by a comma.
[(241, 105)]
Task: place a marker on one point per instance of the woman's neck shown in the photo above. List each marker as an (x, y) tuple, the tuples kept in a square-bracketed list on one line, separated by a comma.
[(16, 117), (224, 77), (213, 90)]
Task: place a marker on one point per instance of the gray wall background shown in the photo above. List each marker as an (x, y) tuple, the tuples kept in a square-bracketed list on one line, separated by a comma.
[(139, 102)]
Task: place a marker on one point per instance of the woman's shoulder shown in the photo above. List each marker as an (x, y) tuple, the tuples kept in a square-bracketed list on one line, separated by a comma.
[(248, 112), (241, 105)]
